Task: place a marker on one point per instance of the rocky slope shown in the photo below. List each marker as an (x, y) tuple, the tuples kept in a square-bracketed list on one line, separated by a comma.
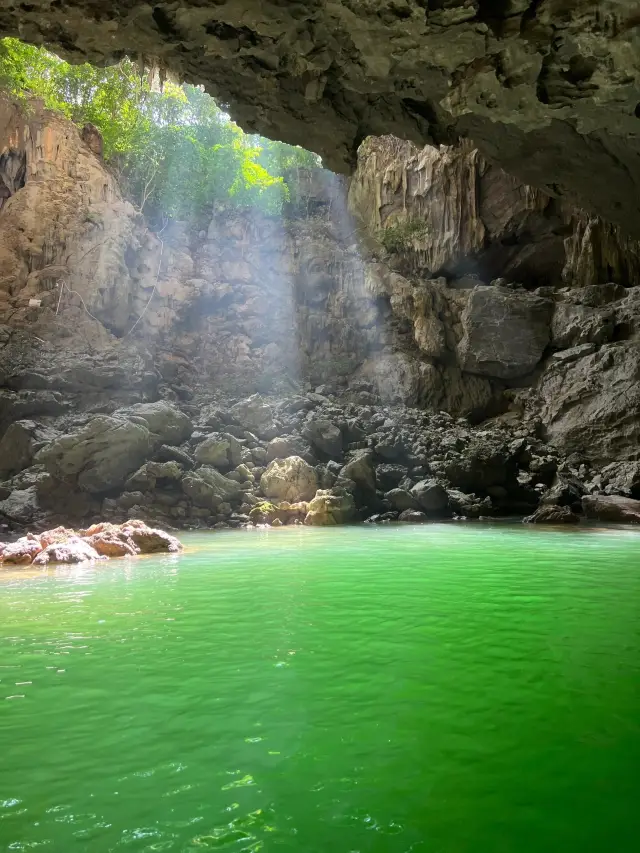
[(549, 89), (476, 343)]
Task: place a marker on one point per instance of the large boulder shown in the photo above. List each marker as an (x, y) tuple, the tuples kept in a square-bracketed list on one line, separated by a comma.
[(221, 451), (504, 332), (553, 514), (431, 498), (99, 456), (286, 445), (19, 444), (361, 470), (613, 508), (324, 436), (147, 476), (623, 477), (21, 506), (74, 550), (255, 415), (401, 499), (290, 479), (390, 476), (163, 420), (330, 507), (208, 488)]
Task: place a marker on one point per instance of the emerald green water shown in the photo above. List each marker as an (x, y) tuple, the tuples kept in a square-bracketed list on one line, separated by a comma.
[(437, 689)]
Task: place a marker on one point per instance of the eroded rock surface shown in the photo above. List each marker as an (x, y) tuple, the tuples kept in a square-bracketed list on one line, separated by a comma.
[(548, 89)]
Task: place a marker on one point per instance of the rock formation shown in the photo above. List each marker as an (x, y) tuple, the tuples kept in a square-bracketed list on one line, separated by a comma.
[(433, 340), (548, 89)]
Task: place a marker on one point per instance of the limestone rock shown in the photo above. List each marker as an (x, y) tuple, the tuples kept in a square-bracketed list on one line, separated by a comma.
[(99, 456), (401, 500), (169, 424), (361, 470), (553, 514), (256, 415), (283, 446), (505, 333), (412, 516), (624, 477), (74, 550), (290, 479), (221, 451), (612, 508), (18, 444), (209, 488), (147, 476), (325, 436), (431, 497), (21, 506), (330, 507)]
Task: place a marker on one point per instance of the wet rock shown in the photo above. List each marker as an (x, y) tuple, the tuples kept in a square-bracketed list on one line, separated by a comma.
[(413, 516), (74, 550), (431, 497), (330, 507), (553, 514), (99, 456), (23, 551), (290, 479), (612, 508)]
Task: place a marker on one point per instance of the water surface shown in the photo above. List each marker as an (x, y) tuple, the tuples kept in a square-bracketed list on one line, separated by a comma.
[(438, 689)]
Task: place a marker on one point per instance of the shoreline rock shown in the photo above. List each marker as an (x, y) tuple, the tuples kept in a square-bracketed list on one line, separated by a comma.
[(99, 542)]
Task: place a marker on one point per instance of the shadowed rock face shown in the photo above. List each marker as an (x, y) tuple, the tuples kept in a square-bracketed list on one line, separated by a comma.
[(550, 89)]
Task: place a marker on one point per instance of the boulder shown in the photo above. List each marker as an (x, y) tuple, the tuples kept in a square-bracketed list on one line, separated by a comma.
[(613, 508), (390, 476), (324, 436), (413, 516), (74, 550), (256, 415), (22, 506), (150, 540), (469, 506), (101, 455), (623, 477), (283, 446), (504, 333), (564, 491), (553, 514), (361, 470), (146, 477), (431, 498), (331, 507), (17, 447), (165, 453), (223, 451), (401, 500), (290, 479), (163, 420), (209, 488), (22, 551)]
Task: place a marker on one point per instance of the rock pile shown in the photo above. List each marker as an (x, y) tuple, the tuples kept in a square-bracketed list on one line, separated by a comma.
[(98, 542)]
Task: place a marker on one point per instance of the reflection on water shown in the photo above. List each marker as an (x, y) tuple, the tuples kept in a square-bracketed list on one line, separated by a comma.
[(441, 688)]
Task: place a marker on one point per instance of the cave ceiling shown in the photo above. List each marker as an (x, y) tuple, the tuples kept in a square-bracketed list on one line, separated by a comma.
[(549, 89)]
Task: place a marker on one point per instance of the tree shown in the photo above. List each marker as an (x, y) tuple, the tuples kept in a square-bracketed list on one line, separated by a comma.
[(175, 151)]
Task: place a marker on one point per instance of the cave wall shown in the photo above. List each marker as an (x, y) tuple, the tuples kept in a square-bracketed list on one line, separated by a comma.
[(548, 89), (258, 303)]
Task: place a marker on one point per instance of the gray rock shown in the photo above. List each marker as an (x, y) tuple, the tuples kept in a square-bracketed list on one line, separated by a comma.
[(612, 508), (165, 453), (99, 456), (283, 446), (330, 507), (223, 451), (324, 436), (146, 477), (209, 488), (22, 505), (400, 499), (504, 333), (413, 516), (17, 446), (256, 415), (169, 424), (290, 479), (623, 477), (431, 498), (389, 476), (360, 469), (553, 514)]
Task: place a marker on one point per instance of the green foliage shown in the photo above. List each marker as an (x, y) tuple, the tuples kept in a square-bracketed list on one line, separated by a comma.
[(175, 151), (402, 233)]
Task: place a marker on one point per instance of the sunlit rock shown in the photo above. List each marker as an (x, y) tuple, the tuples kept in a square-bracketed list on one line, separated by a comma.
[(330, 507), (290, 479)]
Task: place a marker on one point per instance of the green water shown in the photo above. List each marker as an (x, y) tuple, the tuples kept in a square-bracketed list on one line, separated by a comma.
[(440, 689)]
